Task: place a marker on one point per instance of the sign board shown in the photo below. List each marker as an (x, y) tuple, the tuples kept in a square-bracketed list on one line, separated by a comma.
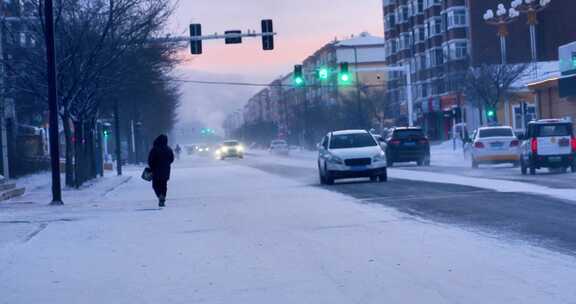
[(567, 55), (567, 83)]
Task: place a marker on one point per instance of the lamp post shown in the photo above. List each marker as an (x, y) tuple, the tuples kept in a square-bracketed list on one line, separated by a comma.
[(531, 8), (501, 19)]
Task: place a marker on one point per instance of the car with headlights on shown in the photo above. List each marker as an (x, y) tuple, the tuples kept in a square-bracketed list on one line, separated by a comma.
[(230, 148), (203, 150), (351, 154), (495, 145)]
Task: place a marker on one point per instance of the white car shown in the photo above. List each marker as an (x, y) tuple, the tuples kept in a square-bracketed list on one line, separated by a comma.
[(351, 154), (495, 145), (549, 143), (279, 146)]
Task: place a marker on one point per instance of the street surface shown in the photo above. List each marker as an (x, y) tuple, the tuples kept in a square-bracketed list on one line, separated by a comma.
[(262, 230)]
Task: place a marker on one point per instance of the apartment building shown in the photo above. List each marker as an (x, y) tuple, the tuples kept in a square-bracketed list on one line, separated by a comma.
[(438, 39)]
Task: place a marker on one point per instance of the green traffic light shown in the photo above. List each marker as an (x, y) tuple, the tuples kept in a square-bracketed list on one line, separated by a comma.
[(345, 77), (323, 74), (298, 81), (490, 113)]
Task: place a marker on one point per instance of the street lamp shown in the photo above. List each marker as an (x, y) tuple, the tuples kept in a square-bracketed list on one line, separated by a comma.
[(501, 19), (531, 8)]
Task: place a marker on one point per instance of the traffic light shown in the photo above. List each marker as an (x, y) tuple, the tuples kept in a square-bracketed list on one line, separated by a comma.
[(196, 45), (323, 74), (490, 114), (344, 76), (298, 76), (267, 40), (233, 40)]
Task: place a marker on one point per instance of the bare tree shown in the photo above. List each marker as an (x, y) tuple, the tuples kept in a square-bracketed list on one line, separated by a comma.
[(94, 40), (487, 85)]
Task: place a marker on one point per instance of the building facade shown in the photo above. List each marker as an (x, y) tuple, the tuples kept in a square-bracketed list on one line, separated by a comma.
[(439, 39)]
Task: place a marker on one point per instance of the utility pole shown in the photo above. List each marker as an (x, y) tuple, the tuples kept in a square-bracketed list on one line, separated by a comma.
[(117, 137), (4, 135), (53, 103)]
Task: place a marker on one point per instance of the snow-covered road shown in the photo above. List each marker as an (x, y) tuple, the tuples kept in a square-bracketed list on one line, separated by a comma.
[(235, 234)]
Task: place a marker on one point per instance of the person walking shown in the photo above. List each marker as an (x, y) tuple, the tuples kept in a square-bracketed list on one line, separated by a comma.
[(160, 160), (178, 150)]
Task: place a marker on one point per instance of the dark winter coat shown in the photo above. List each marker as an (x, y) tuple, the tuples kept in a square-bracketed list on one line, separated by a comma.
[(160, 158)]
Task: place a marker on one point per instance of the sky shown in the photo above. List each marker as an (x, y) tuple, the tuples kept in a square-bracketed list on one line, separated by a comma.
[(303, 26)]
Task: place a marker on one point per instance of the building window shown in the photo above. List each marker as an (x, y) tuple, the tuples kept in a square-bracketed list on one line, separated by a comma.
[(405, 40), (434, 57), (415, 7), (455, 49), (434, 27), (402, 14), (457, 18), (521, 120), (431, 3), (419, 34), (389, 21)]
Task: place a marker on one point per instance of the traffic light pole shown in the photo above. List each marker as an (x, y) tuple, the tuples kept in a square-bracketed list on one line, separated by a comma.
[(213, 37), (53, 103), (117, 137)]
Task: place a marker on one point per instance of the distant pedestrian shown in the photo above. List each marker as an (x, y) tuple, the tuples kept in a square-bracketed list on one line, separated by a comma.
[(160, 159), (178, 150)]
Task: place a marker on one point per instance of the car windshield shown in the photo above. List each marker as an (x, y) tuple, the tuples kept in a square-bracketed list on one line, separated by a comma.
[(496, 132), (409, 133), (346, 141), (230, 143), (554, 130)]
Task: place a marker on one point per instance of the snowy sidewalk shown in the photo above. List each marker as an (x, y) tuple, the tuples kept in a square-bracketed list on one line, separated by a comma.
[(232, 234)]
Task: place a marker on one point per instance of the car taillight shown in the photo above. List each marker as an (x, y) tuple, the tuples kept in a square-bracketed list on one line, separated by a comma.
[(573, 144), (479, 145), (514, 143), (423, 142), (534, 145), (395, 142)]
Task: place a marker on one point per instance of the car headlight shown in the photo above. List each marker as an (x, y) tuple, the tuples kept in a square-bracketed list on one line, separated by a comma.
[(333, 159), (381, 157), (224, 150), (240, 148)]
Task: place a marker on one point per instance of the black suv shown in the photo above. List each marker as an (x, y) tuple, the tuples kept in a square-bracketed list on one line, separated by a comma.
[(407, 145)]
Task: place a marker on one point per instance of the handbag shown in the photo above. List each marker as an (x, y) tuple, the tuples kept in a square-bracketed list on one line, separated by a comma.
[(147, 174)]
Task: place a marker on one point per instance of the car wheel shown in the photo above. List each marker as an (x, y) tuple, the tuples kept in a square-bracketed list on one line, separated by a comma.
[(328, 179), (523, 167), (420, 163), (373, 179), (389, 163), (383, 177)]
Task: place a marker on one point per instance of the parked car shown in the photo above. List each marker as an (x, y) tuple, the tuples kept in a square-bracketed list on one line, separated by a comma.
[(351, 154), (407, 145), (548, 143), (279, 146), (495, 145), (230, 148)]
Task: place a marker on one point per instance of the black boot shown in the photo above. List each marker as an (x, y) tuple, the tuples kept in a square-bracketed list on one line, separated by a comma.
[(162, 202)]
